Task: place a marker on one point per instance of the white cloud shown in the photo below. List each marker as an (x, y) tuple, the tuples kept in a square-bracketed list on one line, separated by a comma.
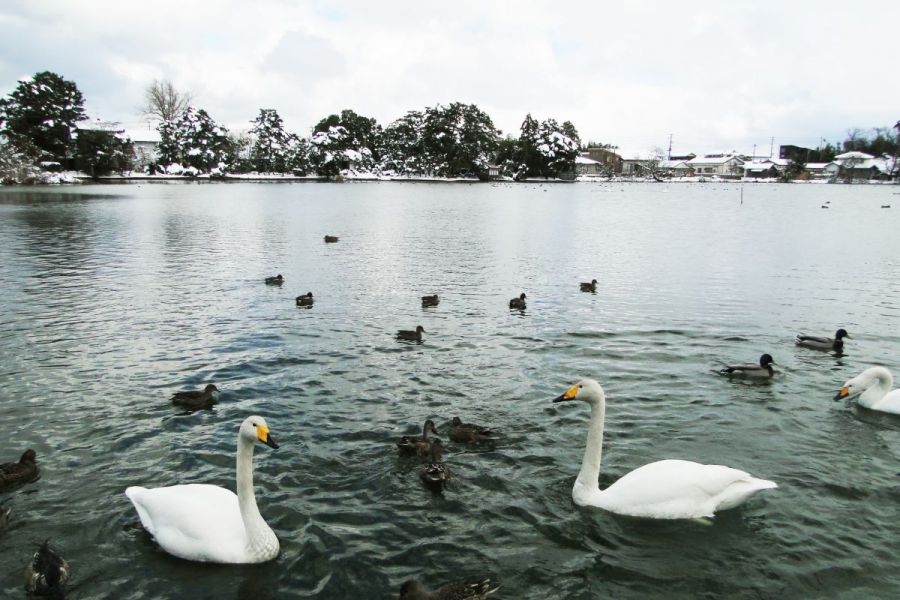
[(716, 75)]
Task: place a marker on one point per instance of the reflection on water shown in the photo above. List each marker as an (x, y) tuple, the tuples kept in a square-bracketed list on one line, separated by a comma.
[(116, 296)]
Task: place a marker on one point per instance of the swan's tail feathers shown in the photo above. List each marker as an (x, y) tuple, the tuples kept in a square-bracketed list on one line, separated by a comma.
[(740, 491), (764, 484), (134, 494)]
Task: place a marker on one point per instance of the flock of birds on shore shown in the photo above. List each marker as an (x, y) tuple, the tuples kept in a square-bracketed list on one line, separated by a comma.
[(209, 523)]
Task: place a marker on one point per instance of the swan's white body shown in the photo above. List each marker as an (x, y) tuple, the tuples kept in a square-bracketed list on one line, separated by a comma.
[(874, 388), (209, 523), (666, 489)]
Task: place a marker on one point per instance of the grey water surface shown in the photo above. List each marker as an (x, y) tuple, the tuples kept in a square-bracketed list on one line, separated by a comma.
[(116, 296)]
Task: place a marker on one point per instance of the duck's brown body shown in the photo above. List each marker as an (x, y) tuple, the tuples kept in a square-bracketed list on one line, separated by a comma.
[(469, 433), (196, 399), (464, 590), (15, 474)]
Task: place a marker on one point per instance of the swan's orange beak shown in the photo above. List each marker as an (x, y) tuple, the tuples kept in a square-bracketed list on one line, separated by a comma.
[(842, 393), (262, 433), (569, 395)]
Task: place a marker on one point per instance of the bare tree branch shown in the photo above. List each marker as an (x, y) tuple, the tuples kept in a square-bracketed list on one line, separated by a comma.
[(162, 102)]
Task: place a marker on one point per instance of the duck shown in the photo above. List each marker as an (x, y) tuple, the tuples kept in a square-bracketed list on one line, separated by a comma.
[(14, 474), (477, 589), (666, 489), (824, 343), (874, 389), (4, 517), (435, 474), (331, 239), (306, 300), (276, 280), (195, 399), (469, 433), (589, 287), (47, 573), (415, 445), (518, 303), (413, 336), (763, 370), (430, 300), (208, 523)]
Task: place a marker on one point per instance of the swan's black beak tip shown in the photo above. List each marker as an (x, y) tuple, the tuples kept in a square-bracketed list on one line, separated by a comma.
[(271, 443)]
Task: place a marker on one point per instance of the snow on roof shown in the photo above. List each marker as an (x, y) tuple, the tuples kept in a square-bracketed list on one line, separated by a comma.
[(673, 164), (98, 125), (759, 165), (816, 165), (713, 159), (853, 154), (583, 160)]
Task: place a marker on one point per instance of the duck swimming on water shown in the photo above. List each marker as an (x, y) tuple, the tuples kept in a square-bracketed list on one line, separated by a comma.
[(430, 300), (589, 287), (331, 239), (469, 433), (421, 446), (762, 370), (197, 399), (478, 589), (276, 280), (827, 344), (47, 573), (305, 300), (518, 303), (435, 474), (12, 475), (412, 336)]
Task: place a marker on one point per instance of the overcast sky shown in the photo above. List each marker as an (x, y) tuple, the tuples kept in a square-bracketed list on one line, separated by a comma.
[(716, 75)]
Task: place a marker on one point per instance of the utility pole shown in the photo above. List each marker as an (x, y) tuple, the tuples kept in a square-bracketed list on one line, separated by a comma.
[(772, 147), (669, 154), (754, 152)]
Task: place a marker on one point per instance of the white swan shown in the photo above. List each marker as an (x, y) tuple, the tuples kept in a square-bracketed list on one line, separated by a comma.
[(874, 387), (666, 489), (207, 522)]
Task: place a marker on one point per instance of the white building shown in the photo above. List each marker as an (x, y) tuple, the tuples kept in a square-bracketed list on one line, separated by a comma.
[(723, 165)]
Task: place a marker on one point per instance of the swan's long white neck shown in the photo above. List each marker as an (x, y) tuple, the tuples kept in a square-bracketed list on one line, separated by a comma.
[(880, 381), (590, 464), (258, 532)]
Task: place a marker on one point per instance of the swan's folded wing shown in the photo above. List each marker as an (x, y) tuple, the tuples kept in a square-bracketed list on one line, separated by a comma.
[(678, 489), (189, 520)]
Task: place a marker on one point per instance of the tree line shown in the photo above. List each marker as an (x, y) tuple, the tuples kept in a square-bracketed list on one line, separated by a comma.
[(38, 130)]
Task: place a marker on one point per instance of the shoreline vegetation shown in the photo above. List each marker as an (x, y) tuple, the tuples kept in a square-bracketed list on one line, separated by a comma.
[(46, 137)]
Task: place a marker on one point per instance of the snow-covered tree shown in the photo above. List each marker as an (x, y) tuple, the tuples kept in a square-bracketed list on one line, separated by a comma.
[(99, 152), (297, 154), (195, 140), (269, 153), (362, 132), (403, 149), (330, 152), (39, 116), (557, 149), (459, 139)]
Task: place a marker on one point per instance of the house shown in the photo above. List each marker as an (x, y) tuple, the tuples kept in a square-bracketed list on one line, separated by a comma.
[(611, 161), (761, 170), (676, 167), (588, 166), (723, 165), (146, 145), (816, 170), (789, 152), (859, 166), (639, 167)]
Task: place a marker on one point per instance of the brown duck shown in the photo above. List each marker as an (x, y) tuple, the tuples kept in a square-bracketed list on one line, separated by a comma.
[(14, 474), (331, 239), (462, 590), (518, 303), (47, 573), (469, 433), (195, 399), (305, 300), (435, 474), (412, 336), (418, 445), (430, 301)]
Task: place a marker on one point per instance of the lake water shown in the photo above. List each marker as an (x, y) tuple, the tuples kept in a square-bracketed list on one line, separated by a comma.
[(116, 296)]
